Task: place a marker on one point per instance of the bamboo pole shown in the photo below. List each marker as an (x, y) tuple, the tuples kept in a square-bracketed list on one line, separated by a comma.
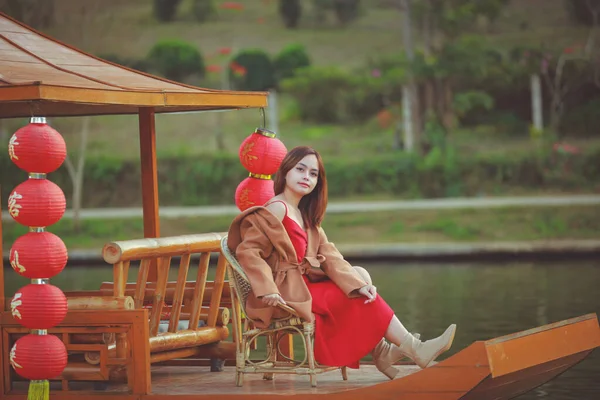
[(188, 338), (138, 249), (199, 289), (140, 286), (92, 338), (100, 303), (106, 289), (184, 266), (164, 264), (2, 301), (221, 351)]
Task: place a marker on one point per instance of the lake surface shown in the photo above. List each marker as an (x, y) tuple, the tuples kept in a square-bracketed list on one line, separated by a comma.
[(485, 301)]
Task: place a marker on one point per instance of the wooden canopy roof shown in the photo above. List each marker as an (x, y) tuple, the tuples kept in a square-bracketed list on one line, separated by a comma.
[(42, 76)]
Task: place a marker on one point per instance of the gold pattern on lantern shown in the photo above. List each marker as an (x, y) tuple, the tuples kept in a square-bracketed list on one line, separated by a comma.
[(14, 305), (13, 206), (11, 147), (14, 263), (13, 356), (245, 199), (248, 158)]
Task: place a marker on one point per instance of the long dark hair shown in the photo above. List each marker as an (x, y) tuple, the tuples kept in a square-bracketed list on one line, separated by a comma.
[(313, 205)]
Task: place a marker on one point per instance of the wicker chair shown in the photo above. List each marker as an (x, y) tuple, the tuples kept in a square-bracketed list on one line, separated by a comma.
[(245, 334)]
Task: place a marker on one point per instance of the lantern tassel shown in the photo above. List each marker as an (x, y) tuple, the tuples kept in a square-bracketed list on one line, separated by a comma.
[(39, 390)]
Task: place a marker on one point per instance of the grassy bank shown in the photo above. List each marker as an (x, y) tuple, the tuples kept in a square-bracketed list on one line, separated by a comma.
[(484, 225)]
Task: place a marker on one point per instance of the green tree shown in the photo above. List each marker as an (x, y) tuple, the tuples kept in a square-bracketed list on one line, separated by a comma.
[(252, 70), (165, 10), (290, 11), (291, 58), (447, 56), (176, 59)]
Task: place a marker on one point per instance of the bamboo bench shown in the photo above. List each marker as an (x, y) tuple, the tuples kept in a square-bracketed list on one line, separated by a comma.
[(112, 333), (169, 303)]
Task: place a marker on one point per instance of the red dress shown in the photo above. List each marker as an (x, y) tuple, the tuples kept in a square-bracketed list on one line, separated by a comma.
[(346, 329)]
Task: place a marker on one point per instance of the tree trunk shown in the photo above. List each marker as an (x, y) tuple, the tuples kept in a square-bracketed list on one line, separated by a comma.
[(273, 112), (449, 117), (76, 173), (219, 139), (409, 103), (536, 102), (556, 112)]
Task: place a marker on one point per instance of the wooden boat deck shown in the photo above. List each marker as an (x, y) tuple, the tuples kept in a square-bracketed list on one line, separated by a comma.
[(499, 369), (199, 380)]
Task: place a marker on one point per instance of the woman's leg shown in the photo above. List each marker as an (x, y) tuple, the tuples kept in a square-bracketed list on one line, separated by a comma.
[(363, 274), (405, 343)]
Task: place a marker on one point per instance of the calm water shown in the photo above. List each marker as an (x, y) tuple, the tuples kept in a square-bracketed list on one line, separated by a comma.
[(484, 300)]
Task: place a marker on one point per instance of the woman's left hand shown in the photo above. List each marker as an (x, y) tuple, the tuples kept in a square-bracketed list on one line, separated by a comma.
[(369, 291)]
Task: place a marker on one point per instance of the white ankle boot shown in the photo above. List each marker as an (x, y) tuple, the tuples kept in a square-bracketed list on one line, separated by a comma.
[(385, 355), (422, 353)]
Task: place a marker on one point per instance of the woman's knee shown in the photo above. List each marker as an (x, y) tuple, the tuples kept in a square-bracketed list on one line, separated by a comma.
[(364, 274)]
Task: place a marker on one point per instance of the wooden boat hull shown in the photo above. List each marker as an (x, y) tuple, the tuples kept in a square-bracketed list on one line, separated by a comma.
[(501, 368)]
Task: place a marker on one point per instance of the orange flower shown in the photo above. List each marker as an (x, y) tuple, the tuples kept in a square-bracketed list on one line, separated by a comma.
[(214, 68), (232, 5)]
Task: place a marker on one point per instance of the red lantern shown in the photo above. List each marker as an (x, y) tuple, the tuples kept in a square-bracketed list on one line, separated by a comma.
[(37, 255), (262, 153), (37, 147), (39, 306), (253, 192), (38, 357), (37, 202)]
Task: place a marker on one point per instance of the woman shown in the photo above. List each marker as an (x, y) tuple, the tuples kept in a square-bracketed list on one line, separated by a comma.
[(288, 259)]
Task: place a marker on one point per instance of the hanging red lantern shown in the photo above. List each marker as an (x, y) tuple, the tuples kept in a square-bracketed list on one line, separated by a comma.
[(253, 191), (262, 153), (38, 357), (39, 306), (37, 202), (37, 147), (37, 255)]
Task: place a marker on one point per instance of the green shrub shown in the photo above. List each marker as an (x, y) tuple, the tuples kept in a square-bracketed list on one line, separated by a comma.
[(258, 71), (213, 178), (366, 99), (582, 120), (291, 58), (290, 12), (579, 11), (165, 10), (203, 9), (346, 10), (320, 93), (176, 59)]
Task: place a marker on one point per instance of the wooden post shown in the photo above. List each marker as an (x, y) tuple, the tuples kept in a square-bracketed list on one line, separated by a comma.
[(1, 263), (3, 354), (149, 178)]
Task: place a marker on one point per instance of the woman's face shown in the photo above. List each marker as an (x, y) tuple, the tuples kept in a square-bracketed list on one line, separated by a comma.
[(303, 177)]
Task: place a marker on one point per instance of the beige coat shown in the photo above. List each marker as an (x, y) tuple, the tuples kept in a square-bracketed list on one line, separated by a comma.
[(265, 251)]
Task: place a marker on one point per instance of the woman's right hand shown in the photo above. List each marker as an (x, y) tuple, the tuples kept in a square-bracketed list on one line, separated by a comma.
[(272, 299)]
